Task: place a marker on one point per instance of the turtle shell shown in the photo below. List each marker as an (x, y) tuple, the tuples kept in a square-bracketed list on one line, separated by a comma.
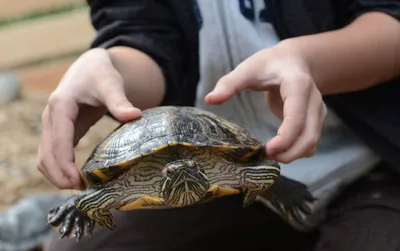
[(167, 126)]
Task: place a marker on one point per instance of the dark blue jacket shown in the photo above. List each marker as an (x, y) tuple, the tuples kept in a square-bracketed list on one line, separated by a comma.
[(167, 30)]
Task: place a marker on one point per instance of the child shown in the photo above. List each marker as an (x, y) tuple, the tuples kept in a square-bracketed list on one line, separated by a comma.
[(297, 53)]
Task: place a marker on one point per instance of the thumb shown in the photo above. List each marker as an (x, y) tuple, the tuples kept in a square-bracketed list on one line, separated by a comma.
[(114, 97), (244, 76)]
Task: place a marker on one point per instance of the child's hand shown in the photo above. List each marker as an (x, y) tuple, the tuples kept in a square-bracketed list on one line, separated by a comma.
[(90, 87), (291, 94)]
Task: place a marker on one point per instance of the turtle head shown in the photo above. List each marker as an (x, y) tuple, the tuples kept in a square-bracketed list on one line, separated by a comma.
[(183, 183)]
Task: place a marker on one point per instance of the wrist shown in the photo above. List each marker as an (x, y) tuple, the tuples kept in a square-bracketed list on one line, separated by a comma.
[(316, 54), (356, 57), (100, 62), (142, 77), (294, 56)]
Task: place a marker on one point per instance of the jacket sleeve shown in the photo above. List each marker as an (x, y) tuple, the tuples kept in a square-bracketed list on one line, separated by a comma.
[(351, 9), (367, 112), (153, 27)]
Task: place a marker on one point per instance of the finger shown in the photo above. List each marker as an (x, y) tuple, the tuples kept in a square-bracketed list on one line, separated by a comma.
[(307, 143), (45, 161), (112, 94), (295, 95), (84, 122), (63, 113), (242, 77), (274, 102)]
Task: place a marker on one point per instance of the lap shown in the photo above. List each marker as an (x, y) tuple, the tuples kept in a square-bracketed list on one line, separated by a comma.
[(219, 225), (365, 217)]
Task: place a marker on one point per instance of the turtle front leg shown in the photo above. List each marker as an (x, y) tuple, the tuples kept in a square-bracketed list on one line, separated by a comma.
[(293, 202), (69, 221), (257, 179), (77, 216)]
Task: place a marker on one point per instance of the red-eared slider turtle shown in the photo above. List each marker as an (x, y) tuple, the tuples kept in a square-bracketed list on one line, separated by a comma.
[(175, 157)]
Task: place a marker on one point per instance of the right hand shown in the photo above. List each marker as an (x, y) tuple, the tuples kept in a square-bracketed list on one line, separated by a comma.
[(90, 88)]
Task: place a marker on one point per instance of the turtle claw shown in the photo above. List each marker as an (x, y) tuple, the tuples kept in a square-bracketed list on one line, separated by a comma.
[(293, 202), (300, 218), (70, 222)]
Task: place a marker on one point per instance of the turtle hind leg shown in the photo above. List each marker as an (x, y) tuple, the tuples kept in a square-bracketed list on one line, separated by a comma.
[(292, 201), (69, 221), (77, 216)]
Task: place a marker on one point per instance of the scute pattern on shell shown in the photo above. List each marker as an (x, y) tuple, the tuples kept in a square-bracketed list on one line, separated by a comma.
[(168, 125)]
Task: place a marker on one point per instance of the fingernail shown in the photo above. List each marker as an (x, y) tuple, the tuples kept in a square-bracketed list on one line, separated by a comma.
[(124, 104), (210, 93), (271, 151), (130, 108), (73, 183), (270, 157), (216, 90), (127, 108)]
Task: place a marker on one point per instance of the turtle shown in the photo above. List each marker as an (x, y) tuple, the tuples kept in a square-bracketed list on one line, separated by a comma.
[(178, 156)]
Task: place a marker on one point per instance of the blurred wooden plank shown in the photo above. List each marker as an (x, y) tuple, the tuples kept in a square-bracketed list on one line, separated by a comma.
[(44, 38), (16, 8), (43, 77)]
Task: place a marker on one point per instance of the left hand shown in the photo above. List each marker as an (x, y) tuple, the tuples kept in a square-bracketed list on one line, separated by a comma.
[(291, 95)]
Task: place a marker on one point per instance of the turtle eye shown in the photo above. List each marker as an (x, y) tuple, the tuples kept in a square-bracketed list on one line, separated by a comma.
[(192, 163), (167, 171)]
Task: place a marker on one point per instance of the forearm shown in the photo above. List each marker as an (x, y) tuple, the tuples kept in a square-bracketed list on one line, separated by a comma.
[(143, 78), (147, 48), (359, 56)]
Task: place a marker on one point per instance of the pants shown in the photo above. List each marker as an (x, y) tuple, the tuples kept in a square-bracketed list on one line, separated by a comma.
[(365, 217)]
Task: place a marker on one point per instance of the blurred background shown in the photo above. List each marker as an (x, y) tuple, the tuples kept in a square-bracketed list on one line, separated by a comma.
[(39, 39)]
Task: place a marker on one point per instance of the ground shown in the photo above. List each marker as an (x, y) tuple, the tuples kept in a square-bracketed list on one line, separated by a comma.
[(20, 125)]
